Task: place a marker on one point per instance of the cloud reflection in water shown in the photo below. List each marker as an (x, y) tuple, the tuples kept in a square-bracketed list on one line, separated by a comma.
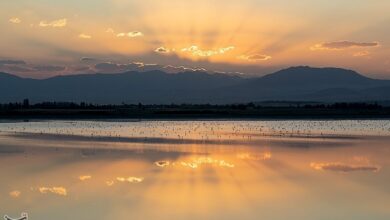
[(130, 179), (15, 194), (84, 178), (196, 163), (341, 167)]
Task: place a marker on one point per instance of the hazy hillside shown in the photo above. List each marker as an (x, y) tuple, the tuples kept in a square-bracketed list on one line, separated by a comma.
[(314, 84), (156, 87)]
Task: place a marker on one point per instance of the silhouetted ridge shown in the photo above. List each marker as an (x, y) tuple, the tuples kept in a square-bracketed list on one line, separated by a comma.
[(157, 87), (304, 76), (8, 76)]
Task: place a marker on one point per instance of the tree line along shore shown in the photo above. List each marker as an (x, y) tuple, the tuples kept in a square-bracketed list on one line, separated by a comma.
[(309, 110)]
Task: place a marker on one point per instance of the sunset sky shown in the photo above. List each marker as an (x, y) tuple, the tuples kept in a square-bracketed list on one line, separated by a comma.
[(42, 38)]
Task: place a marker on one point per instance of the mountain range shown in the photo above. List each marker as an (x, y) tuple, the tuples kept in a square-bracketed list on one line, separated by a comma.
[(156, 87)]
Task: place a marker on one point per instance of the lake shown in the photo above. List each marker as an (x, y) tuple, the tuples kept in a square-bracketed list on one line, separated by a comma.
[(266, 169)]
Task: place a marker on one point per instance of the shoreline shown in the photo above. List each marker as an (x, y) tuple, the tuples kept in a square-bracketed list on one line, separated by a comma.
[(262, 114)]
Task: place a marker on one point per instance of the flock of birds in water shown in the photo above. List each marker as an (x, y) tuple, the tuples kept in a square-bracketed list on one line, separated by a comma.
[(201, 130), (197, 130)]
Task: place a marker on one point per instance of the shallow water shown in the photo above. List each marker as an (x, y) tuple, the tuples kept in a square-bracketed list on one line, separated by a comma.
[(195, 169)]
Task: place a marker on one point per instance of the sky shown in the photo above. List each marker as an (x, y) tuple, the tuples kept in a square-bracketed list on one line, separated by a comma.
[(43, 38)]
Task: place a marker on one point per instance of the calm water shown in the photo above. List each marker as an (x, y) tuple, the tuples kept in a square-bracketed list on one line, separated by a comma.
[(195, 170)]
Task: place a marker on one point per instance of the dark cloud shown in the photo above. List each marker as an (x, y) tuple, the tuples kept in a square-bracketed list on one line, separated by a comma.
[(148, 67), (81, 68), (170, 63), (180, 69), (340, 167), (89, 59), (143, 67), (115, 67), (339, 45), (223, 68), (249, 69), (49, 68), (110, 67), (22, 67), (12, 62), (16, 68)]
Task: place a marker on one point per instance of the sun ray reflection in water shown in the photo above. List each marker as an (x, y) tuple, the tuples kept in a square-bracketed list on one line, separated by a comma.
[(332, 176)]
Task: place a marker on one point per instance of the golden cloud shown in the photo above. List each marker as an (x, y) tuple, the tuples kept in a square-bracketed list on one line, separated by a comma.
[(54, 24), (55, 190), (341, 45), (196, 51), (131, 34), (162, 50), (15, 20), (255, 57), (85, 36), (86, 177)]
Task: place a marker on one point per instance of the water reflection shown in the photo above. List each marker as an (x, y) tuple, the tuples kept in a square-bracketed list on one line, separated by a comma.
[(15, 193), (109, 182), (257, 178), (195, 163), (341, 167), (84, 178), (162, 163), (130, 179), (256, 157)]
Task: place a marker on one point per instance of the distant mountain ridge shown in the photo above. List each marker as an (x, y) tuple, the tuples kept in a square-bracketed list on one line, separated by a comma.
[(156, 87), (306, 76)]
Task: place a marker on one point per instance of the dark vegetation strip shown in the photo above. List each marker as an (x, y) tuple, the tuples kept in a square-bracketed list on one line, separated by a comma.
[(282, 110)]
